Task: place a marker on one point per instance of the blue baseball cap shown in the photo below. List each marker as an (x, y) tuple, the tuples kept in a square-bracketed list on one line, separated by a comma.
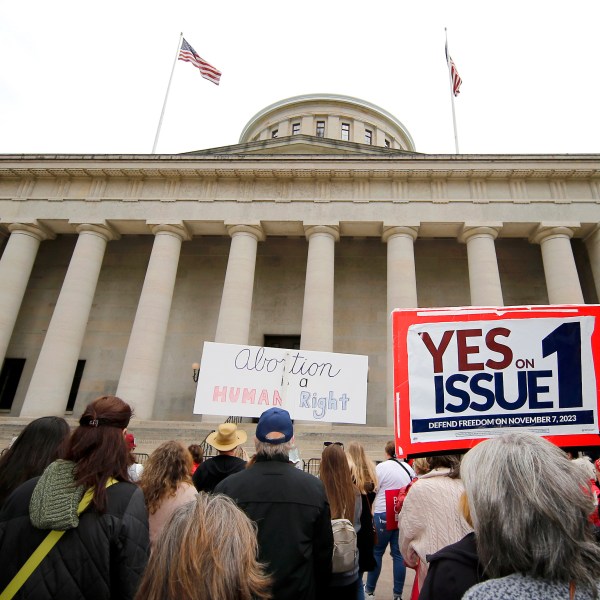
[(275, 420)]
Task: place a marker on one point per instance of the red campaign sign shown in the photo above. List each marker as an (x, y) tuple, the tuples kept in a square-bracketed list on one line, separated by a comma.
[(462, 375)]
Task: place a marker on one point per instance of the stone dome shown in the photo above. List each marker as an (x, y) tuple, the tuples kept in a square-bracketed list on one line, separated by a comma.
[(329, 116)]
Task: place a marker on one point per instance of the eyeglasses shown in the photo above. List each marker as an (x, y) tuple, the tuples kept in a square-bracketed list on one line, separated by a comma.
[(333, 444)]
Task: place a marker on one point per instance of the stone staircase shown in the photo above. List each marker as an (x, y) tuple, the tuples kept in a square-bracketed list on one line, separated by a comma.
[(309, 437)]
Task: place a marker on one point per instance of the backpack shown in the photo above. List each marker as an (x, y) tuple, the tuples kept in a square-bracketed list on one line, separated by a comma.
[(402, 492), (344, 546)]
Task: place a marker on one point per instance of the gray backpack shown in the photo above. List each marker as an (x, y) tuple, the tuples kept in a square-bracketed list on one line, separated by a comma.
[(344, 546)]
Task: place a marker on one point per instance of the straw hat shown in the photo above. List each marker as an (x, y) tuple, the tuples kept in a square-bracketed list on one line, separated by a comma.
[(227, 437)]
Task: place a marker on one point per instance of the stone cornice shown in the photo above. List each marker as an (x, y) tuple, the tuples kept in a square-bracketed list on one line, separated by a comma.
[(347, 169), (344, 172)]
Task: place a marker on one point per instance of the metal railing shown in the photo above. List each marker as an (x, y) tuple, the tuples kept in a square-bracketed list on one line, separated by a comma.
[(140, 457), (207, 449), (313, 466)]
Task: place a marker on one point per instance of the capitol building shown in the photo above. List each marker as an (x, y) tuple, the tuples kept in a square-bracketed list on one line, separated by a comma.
[(307, 233)]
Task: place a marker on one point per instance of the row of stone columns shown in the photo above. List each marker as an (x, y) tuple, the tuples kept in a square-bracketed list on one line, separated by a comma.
[(54, 371)]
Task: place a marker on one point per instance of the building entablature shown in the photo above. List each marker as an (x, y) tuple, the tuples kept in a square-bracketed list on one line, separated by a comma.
[(441, 192)]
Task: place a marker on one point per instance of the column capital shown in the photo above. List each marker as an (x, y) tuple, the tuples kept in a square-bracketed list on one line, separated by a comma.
[(255, 230), (177, 229), (331, 230), (33, 229), (401, 230), (102, 230), (469, 231), (547, 231), (593, 233)]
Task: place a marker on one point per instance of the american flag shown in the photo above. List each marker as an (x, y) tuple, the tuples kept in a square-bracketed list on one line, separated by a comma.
[(188, 54), (456, 80)]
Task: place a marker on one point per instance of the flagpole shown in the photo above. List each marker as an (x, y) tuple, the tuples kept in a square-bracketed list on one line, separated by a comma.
[(162, 114), (451, 95)]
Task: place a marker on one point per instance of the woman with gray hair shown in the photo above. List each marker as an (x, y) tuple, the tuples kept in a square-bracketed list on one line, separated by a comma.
[(530, 510)]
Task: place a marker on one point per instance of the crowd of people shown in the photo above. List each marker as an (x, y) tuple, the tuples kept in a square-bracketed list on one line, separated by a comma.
[(514, 517)]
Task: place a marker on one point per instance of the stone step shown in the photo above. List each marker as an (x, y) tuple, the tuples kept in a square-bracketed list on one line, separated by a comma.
[(309, 437)]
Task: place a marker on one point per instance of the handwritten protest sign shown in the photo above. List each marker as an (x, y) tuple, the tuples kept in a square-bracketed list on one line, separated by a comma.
[(314, 386), (465, 374)]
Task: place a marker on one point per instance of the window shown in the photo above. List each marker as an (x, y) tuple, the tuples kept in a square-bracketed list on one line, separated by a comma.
[(387, 143), (9, 381), (320, 128), (295, 128), (346, 131), (274, 133), (368, 136), (75, 385), (292, 342)]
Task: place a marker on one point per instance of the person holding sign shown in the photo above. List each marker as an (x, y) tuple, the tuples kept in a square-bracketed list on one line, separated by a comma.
[(530, 508)]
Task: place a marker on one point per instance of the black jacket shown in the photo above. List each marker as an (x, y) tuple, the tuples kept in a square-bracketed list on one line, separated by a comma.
[(365, 538), (452, 571), (104, 557), (294, 525), (214, 470)]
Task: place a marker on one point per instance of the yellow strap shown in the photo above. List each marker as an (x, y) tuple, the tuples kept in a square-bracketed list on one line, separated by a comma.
[(43, 549), (31, 565)]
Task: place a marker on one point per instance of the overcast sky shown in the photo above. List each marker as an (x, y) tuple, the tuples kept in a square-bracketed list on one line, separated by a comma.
[(90, 77)]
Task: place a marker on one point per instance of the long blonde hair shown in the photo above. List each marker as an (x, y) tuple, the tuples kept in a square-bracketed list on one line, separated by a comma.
[(364, 468), (207, 550), (167, 467)]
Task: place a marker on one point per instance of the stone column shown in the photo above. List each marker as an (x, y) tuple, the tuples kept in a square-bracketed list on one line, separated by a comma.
[(233, 326), (562, 279), (401, 292), (401, 275), (15, 269), (141, 368), (484, 277), (53, 375), (317, 312), (592, 243)]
